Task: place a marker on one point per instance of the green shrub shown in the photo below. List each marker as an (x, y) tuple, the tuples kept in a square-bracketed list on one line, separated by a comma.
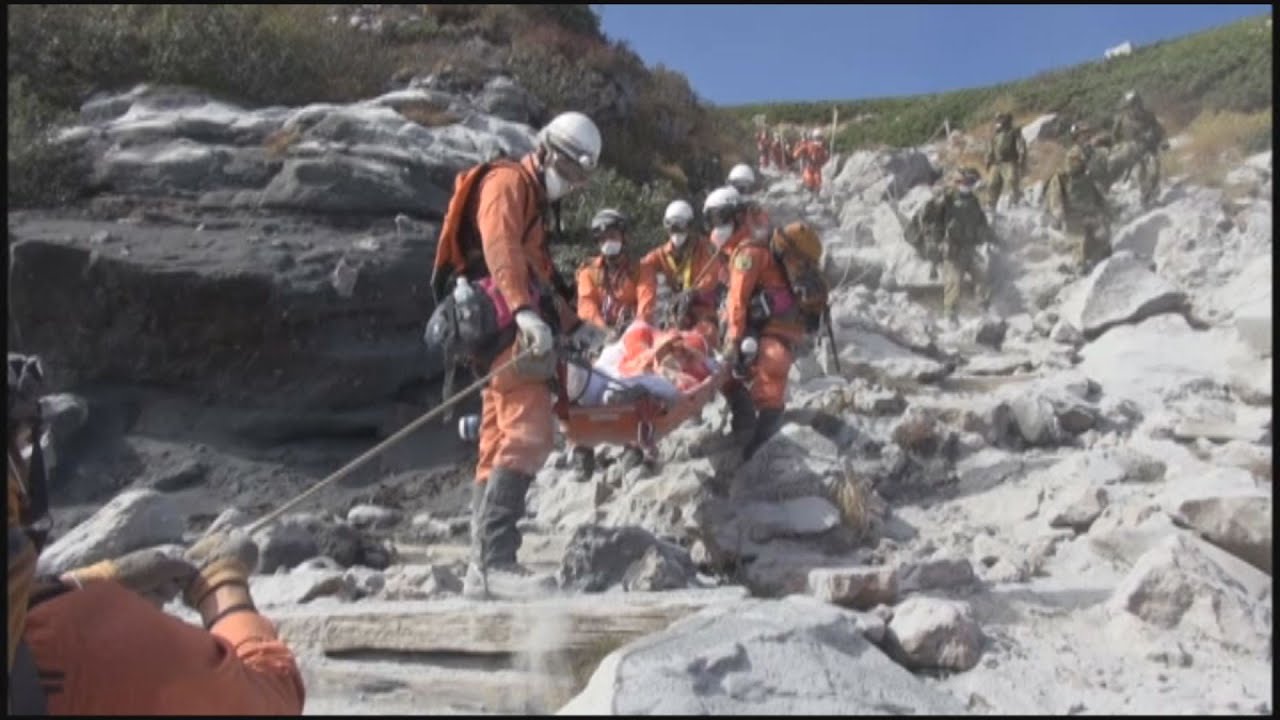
[(1224, 69), (41, 172), (643, 204)]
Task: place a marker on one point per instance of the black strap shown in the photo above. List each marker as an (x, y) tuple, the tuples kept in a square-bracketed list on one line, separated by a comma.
[(26, 696), (242, 607)]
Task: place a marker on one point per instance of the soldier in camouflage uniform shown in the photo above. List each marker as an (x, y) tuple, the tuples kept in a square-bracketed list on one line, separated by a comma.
[(1007, 154), (1079, 208), (1138, 126), (952, 227)]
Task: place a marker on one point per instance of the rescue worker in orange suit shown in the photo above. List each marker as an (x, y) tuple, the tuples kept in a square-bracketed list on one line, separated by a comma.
[(758, 343), (779, 150), (607, 291), (742, 179), (678, 279), (727, 215), (607, 283), (94, 640), (517, 423), (813, 155), (763, 144)]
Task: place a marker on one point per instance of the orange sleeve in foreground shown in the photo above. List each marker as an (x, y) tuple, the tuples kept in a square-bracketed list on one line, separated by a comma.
[(118, 655)]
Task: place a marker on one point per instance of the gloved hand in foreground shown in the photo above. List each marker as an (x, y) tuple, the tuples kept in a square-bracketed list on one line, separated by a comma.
[(157, 573), (223, 560), (534, 332)]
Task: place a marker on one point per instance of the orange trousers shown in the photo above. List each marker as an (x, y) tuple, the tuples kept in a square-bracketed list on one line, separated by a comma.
[(103, 650), (769, 374), (813, 178), (517, 425)]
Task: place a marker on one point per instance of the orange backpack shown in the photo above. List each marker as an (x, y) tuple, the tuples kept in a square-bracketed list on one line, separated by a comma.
[(458, 251)]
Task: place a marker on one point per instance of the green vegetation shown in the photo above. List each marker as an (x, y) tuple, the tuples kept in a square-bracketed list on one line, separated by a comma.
[(1224, 69), (654, 126)]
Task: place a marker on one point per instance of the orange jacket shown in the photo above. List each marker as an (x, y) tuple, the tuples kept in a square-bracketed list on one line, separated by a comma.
[(690, 274), (604, 294), (812, 153), (508, 202), (752, 269), (103, 650)]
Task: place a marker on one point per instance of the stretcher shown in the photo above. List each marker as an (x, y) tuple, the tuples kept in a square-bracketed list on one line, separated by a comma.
[(640, 418)]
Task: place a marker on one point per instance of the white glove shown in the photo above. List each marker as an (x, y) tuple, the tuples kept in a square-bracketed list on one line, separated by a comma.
[(535, 332)]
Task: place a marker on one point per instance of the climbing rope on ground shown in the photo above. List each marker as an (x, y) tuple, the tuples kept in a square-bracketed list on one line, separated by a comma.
[(382, 446)]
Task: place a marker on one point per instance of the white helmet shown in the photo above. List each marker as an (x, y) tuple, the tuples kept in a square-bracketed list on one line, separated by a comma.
[(721, 204), (815, 134), (742, 178), (608, 219), (679, 214), (575, 139)]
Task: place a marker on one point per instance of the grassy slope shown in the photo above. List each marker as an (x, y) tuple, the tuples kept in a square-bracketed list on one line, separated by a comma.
[(1224, 69)]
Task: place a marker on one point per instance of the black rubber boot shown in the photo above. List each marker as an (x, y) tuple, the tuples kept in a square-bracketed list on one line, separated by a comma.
[(501, 509), (767, 424), (742, 410)]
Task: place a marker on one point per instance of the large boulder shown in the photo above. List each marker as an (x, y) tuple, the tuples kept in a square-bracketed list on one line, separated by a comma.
[(1119, 290), (1187, 584), (1045, 127), (598, 558), (506, 99), (223, 315), (133, 520), (757, 657), (1239, 524), (861, 588), (882, 175), (931, 633)]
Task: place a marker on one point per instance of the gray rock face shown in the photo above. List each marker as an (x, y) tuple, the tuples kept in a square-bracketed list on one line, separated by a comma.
[(1119, 290), (311, 348), (1079, 516), (598, 558), (504, 98), (296, 538), (1188, 584), (372, 516), (1241, 525), (420, 582), (344, 184), (63, 415), (933, 633), (790, 518), (861, 588), (757, 656), (991, 332), (940, 574), (133, 520)]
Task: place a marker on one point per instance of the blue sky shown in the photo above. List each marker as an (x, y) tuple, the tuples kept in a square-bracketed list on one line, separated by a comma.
[(750, 53)]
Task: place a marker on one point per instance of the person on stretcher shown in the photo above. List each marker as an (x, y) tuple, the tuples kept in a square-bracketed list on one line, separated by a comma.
[(664, 363)]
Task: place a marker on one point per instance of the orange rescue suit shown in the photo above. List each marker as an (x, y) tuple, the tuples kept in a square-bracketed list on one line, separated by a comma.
[(695, 272), (606, 295), (813, 154), (104, 650), (753, 270), (516, 423)]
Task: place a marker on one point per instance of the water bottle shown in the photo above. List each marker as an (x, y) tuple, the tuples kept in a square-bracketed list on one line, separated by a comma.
[(469, 428)]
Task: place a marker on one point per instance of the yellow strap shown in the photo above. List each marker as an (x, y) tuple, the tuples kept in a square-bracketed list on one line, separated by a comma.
[(676, 271)]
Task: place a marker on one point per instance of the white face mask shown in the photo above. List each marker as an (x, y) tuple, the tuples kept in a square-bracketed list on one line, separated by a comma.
[(611, 248), (677, 239), (557, 187), (720, 234)]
